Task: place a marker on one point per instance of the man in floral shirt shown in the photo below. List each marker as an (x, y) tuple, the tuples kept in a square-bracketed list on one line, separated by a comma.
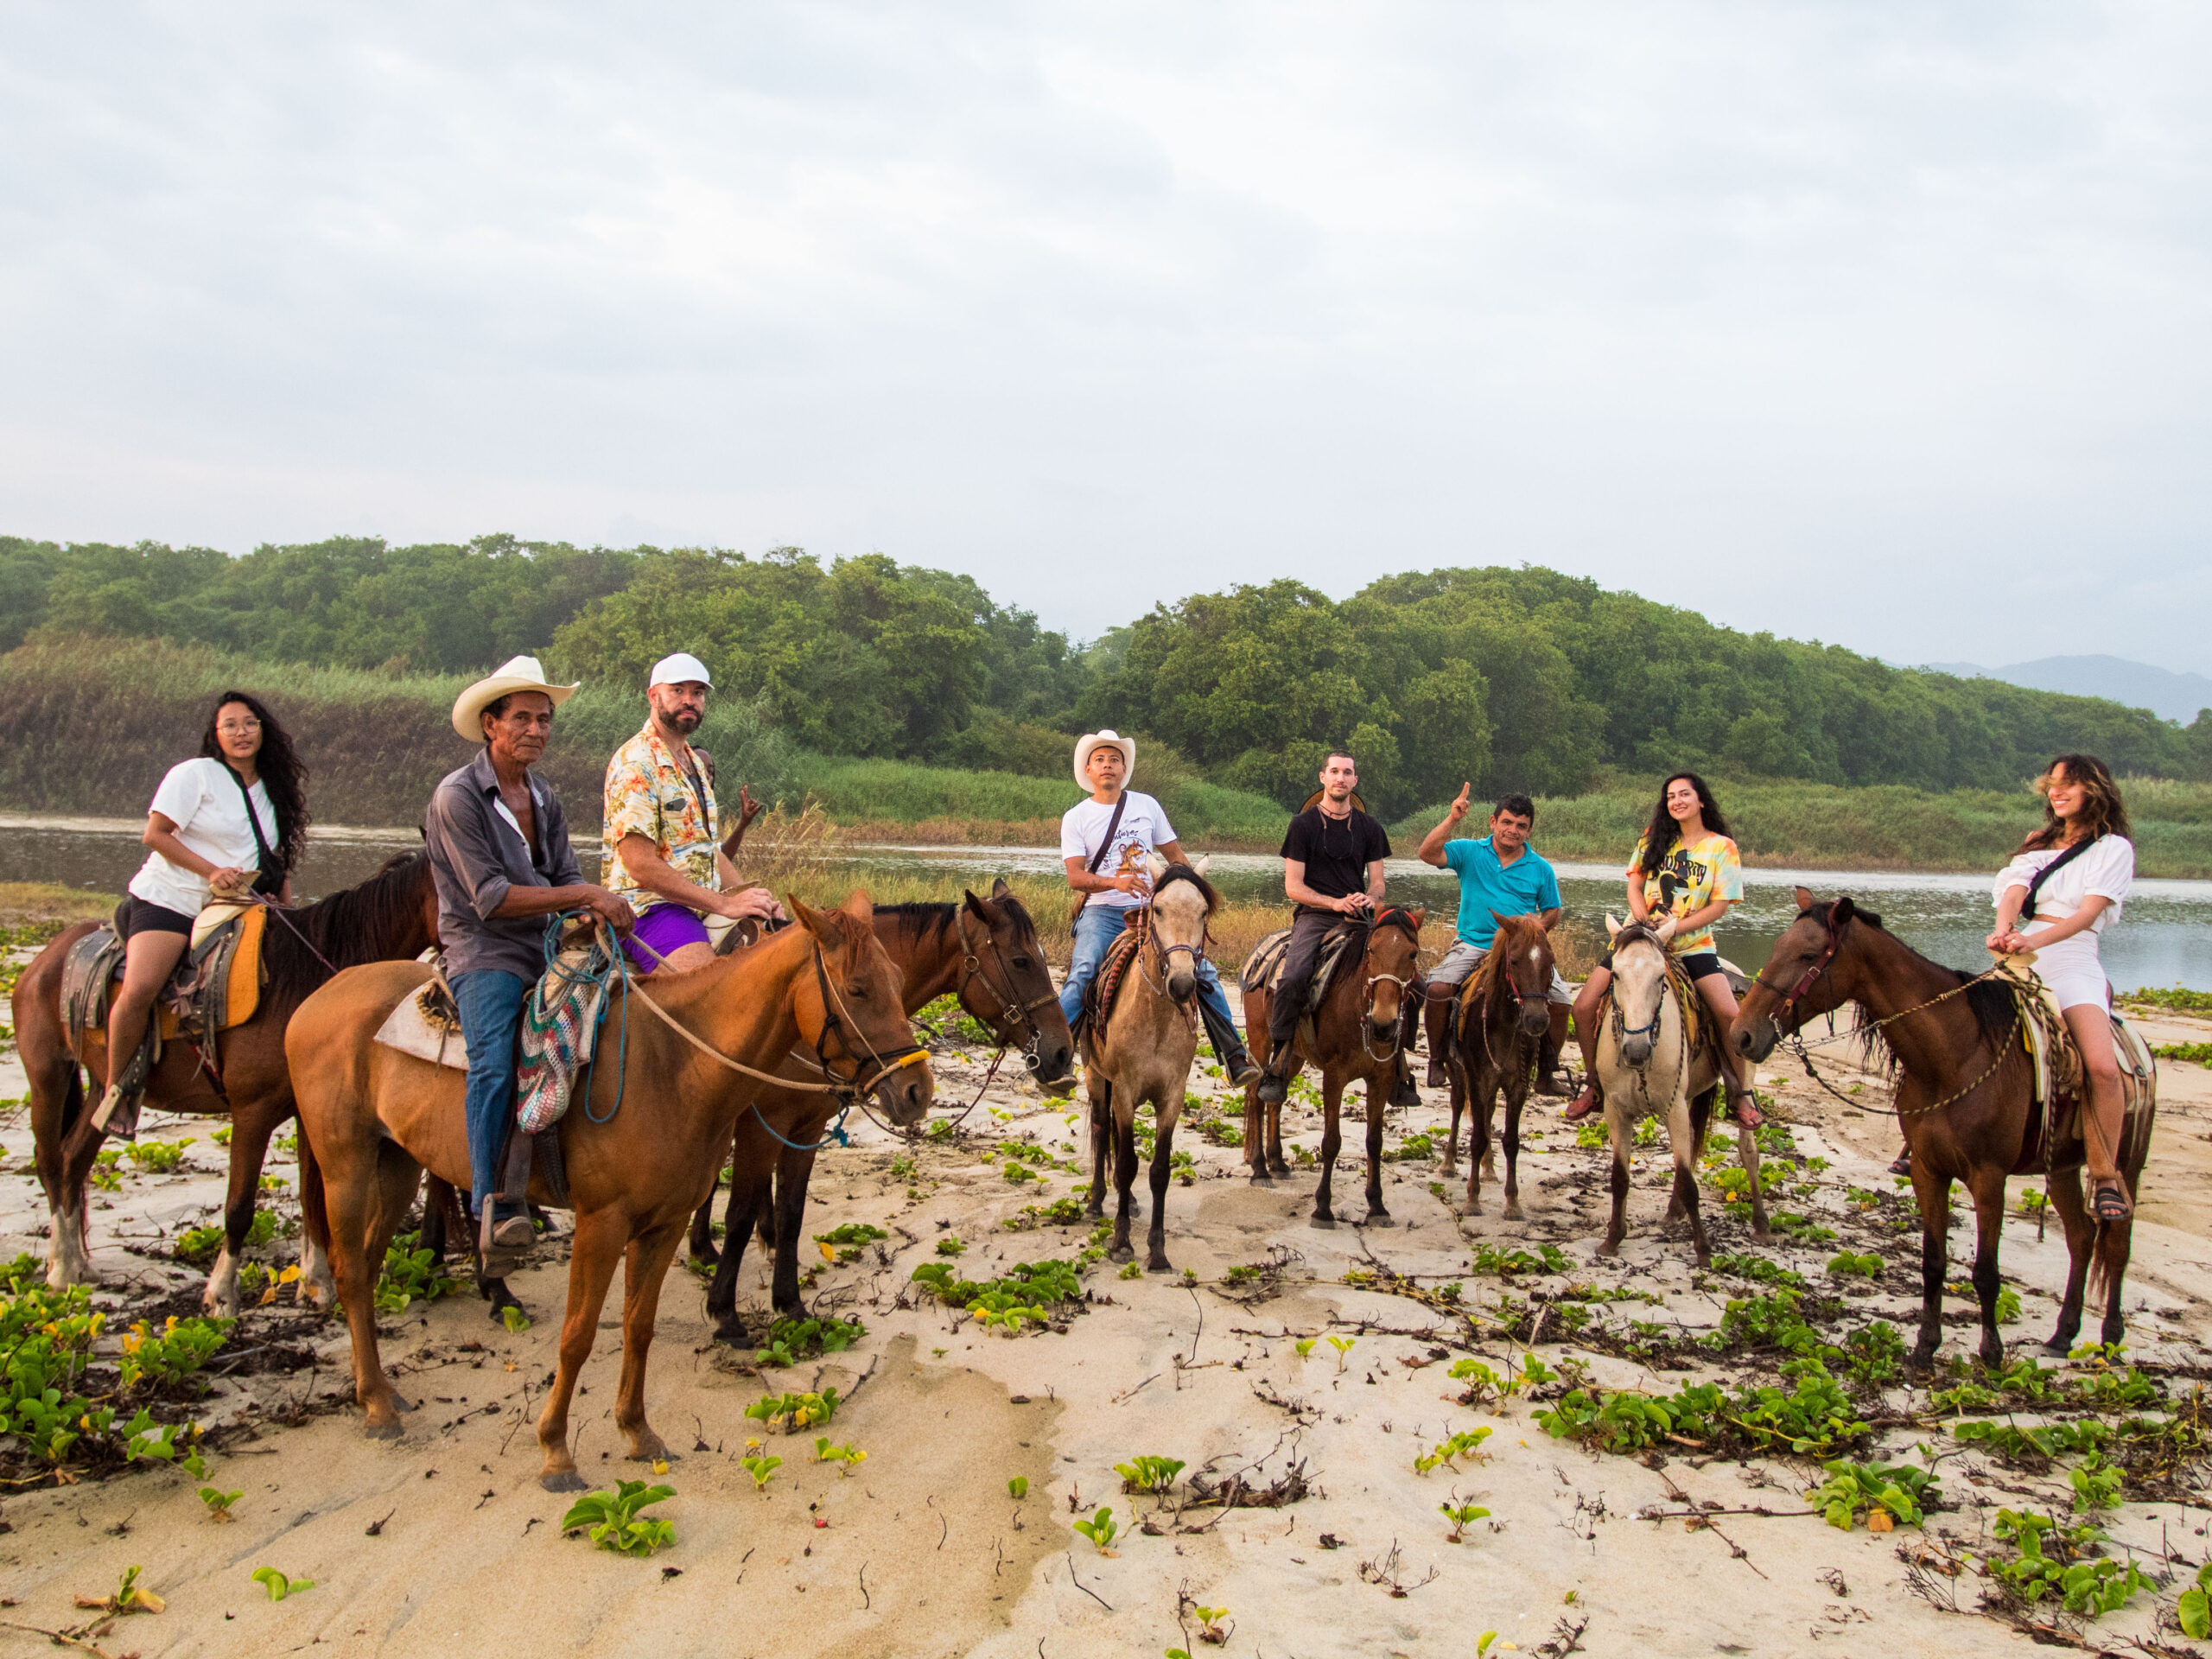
[(662, 832)]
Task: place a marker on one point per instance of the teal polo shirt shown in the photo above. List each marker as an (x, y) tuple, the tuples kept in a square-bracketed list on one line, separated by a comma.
[(1521, 889)]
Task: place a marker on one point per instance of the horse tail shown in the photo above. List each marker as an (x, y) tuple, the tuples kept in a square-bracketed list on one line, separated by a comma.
[(72, 1095), (2100, 1286), (315, 1210)]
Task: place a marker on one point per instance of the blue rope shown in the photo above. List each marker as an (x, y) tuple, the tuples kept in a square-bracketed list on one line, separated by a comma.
[(836, 1137), (594, 972)]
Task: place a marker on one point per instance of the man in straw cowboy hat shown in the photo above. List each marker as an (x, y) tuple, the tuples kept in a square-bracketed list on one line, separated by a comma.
[(663, 833), (1104, 841), (499, 855)]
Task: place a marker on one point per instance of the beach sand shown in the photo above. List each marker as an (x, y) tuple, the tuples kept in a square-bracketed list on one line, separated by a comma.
[(443, 1542)]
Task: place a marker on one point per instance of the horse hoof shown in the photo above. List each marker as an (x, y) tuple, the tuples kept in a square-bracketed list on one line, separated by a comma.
[(1261, 1178), (381, 1431), (1122, 1253), (1277, 1168), (659, 1452), (1380, 1218), (563, 1480), (709, 1256), (1158, 1264), (1322, 1218), (1513, 1211), (1762, 1235)]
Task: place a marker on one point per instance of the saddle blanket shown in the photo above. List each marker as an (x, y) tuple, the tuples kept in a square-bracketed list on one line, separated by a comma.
[(1262, 969), (2057, 1063), (427, 1025), (215, 987)]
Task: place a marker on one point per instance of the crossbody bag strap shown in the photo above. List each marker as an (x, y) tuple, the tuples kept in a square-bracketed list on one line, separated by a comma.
[(1099, 857), (2028, 904), (267, 878)]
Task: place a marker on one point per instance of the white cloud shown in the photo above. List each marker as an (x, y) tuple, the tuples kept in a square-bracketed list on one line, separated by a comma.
[(1881, 324)]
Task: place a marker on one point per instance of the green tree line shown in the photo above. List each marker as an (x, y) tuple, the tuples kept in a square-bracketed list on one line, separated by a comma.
[(1513, 679)]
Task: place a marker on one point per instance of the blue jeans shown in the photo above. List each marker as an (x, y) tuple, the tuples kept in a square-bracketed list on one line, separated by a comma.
[(1097, 928), (490, 1013)]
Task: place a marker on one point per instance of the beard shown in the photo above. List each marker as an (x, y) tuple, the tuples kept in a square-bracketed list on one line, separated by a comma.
[(684, 721)]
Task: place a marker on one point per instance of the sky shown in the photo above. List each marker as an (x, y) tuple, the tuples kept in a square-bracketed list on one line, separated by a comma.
[(1884, 324)]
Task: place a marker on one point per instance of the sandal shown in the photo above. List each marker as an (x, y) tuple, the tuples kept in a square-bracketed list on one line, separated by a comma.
[(1747, 1111), (1904, 1164), (1586, 1104), (2110, 1202)]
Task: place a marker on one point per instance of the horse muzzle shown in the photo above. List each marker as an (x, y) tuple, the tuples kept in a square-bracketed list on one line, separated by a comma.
[(1054, 1060), (1536, 1019), (1636, 1050), (1754, 1039), (906, 1093), (1182, 984)]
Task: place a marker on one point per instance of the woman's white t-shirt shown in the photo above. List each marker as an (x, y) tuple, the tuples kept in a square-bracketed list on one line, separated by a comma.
[(1143, 826), (201, 797), (2105, 871)]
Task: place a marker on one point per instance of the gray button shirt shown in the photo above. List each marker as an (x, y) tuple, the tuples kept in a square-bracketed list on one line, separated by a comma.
[(476, 852)]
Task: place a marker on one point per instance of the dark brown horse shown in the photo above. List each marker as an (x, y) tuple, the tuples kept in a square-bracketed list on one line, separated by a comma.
[(1965, 1099), (1500, 1025), (1365, 1018), (984, 951), (639, 1155), (392, 915)]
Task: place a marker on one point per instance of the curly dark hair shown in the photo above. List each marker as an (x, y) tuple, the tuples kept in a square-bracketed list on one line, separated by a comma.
[(2103, 808), (1661, 834), (283, 773)]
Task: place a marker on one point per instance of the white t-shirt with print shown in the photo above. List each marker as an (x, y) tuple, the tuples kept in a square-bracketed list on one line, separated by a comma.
[(201, 797), (1143, 826)]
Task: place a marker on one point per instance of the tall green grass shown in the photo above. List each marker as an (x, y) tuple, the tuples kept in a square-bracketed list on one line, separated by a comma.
[(1823, 826)]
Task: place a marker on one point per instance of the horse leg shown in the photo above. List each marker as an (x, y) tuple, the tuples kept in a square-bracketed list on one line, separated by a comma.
[(317, 1287), (250, 1133), (1455, 1077), (702, 1230), (1163, 1144), (366, 1207), (748, 1199), (1257, 1113), (433, 1236), (790, 1209), (1332, 1097), (1469, 1083), (2115, 1239), (1123, 1128), (1516, 1096), (2063, 1187), (1102, 1094), (1747, 1152), (1686, 1126), (1934, 1193), (57, 1097), (1988, 1189), (1277, 1164), (1378, 1097), (644, 1268), (1616, 1132), (598, 1245)]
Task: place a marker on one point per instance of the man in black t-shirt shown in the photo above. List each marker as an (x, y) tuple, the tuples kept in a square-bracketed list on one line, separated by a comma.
[(1331, 869)]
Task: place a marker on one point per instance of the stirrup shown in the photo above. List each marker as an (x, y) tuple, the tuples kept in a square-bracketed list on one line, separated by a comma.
[(2110, 1202), (118, 1112)]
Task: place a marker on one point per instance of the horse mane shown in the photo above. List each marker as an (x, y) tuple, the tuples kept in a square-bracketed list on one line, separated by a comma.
[(1990, 1001), (920, 919), (1175, 873), (356, 924), (1482, 984), (1399, 916)]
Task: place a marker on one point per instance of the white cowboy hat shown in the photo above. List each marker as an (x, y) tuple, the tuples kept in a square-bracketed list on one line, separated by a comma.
[(1084, 745), (516, 674), (678, 669)]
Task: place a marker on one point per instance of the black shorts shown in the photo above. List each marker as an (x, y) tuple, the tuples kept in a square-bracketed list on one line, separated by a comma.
[(139, 917), (1699, 964)]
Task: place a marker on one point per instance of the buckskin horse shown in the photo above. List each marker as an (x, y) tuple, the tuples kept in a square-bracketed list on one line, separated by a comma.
[(1358, 1011), (985, 952), (1966, 1101), (393, 914), (1500, 1023), (1652, 1058), (1142, 1048), (639, 1148)]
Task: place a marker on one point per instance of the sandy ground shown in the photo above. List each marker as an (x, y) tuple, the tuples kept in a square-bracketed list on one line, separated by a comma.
[(444, 1540)]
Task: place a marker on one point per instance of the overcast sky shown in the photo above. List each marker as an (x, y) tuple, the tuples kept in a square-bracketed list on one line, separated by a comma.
[(1881, 324)]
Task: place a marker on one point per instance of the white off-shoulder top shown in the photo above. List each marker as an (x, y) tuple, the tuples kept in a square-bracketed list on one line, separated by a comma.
[(2106, 870)]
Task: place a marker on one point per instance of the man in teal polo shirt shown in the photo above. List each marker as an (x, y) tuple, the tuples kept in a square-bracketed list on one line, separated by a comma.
[(1498, 872)]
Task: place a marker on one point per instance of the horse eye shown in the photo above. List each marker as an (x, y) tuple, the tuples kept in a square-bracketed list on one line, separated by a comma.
[(858, 992), (1021, 962)]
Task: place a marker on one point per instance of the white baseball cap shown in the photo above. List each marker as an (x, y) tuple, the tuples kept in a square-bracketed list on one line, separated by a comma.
[(677, 668)]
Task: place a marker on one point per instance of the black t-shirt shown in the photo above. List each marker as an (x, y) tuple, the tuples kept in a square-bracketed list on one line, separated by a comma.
[(1335, 851)]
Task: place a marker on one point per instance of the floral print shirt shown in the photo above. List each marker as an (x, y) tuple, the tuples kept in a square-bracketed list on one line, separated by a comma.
[(650, 793)]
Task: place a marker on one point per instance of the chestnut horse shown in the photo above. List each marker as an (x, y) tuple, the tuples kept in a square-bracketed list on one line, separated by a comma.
[(1144, 1050), (984, 951), (641, 1147), (1965, 1101), (1359, 1011), (392, 915), (1501, 1021)]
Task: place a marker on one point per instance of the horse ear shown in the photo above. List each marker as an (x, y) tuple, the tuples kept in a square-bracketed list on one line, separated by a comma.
[(825, 925), (999, 888), (1502, 921), (1843, 912), (1420, 920), (1201, 861), (976, 908), (1612, 927), (1805, 897), (1155, 866), (1665, 930), (860, 906)]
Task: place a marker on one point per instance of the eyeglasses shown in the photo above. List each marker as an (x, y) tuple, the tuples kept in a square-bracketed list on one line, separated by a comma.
[(237, 727)]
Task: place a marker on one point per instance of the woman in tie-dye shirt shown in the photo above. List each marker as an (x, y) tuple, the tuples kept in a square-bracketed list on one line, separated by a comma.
[(1685, 867)]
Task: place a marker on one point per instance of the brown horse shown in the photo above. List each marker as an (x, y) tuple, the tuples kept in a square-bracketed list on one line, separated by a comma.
[(1144, 1051), (393, 914), (640, 1149), (1965, 1100), (1501, 1022), (985, 951), (1358, 1011)]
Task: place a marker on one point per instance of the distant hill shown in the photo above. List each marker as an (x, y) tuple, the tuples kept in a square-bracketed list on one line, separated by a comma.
[(2138, 685)]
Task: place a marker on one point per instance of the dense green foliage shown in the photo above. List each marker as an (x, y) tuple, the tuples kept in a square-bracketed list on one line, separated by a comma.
[(1512, 678)]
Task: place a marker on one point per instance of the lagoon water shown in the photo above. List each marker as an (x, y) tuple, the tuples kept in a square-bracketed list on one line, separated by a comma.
[(2165, 937)]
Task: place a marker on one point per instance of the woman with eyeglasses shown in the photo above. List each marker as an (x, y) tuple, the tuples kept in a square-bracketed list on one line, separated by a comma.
[(224, 824)]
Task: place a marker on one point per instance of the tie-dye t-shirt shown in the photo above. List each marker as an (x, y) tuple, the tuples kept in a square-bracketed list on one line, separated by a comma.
[(1690, 879)]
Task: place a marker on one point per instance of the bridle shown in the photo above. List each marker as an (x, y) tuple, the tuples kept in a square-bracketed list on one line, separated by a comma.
[(1522, 999), (1398, 917), (1813, 974), (1011, 1008), (1669, 991)]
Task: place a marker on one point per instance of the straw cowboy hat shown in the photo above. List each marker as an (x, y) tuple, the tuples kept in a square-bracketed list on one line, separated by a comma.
[(1108, 738), (516, 674)]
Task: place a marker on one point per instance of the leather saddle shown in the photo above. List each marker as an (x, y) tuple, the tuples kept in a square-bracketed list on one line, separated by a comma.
[(1262, 969), (217, 985)]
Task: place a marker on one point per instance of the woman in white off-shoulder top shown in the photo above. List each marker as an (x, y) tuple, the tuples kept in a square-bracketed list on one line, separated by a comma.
[(2065, 886)]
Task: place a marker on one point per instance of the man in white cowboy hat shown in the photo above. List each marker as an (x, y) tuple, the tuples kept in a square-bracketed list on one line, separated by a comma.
[(663, 832), (1104, 841), (499, 856)]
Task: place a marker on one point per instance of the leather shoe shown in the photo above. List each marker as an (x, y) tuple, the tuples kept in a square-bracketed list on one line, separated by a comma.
[(1238, 1068), (1273, 1089)]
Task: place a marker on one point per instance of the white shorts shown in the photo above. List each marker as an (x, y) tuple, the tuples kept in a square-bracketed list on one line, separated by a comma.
[(2072, 969), (1462, 959)]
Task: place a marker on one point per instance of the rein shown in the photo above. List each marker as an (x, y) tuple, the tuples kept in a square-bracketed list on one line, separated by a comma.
[(1672, 991), (1394, 917), (278, 911), (1002, 987)]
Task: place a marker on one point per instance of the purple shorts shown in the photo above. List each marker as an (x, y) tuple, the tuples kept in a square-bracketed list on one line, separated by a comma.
[(667, 929)]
